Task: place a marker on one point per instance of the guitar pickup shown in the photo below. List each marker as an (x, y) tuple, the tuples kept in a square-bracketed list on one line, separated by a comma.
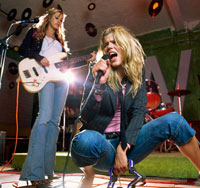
[(35, 71), (27, 74)]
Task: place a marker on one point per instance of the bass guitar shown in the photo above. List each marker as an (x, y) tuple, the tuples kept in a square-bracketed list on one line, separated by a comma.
[(34, 76)]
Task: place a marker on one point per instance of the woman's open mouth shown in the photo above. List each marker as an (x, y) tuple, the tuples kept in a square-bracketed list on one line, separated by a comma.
[(113, 56)]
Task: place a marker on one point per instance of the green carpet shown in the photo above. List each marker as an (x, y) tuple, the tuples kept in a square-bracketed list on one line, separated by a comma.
[(172, 165), (169, 165)]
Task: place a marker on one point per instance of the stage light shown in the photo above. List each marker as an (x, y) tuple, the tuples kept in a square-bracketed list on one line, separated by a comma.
[(12, 14), (16, 48), (26, 14), (69, 76), (91, 29), (47, 3), (11, 85), (91, 6), (155, 7), (13, 68)]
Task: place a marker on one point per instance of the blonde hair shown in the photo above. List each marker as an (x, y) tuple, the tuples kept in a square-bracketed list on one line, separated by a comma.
[(43, 25), (133, 59)]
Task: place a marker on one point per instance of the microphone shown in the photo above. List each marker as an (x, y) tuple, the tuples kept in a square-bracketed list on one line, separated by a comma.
[(35, 20), (99, 74)]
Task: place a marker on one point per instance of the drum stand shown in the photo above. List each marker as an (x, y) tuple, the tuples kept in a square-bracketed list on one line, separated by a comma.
[(171, 143), (179, 92), (167, 148)]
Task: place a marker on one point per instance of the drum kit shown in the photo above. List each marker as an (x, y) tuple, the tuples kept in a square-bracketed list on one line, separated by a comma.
[(156, 108)]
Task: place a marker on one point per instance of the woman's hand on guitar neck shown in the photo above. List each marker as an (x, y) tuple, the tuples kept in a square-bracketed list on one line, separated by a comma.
[(93, 58), (45, 62)]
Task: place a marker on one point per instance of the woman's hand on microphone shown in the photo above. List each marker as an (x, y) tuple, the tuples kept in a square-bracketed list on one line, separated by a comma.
[(103, 66)]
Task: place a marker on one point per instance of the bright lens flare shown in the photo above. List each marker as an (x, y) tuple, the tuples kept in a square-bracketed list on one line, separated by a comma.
[(99, 55), (69, 76)]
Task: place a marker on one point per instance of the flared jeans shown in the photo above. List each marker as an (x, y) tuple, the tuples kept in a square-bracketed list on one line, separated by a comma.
[(40, 160)]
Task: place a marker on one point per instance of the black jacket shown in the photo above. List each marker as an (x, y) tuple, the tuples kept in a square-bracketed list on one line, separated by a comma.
[(31, 47), (97, 116)]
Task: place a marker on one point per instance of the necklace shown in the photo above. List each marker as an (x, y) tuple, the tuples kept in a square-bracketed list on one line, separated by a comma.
[(49, 41)]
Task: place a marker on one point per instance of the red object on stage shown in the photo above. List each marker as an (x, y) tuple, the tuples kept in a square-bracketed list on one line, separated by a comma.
[(153, 96), (179, 92), (163, 109)]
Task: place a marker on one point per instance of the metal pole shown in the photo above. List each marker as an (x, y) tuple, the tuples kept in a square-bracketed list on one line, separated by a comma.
[(64, 116), (179, 104), (4, 45), (2, 65)]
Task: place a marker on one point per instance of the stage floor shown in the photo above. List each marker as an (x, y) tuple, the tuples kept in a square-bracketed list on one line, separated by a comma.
[(10, 179)]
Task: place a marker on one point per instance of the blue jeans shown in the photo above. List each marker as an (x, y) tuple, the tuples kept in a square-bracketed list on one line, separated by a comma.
[(92, 148), (40, 160)]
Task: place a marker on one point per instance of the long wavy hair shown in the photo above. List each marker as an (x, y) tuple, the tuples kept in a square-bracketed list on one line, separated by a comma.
[(43, 25), (133, 59)]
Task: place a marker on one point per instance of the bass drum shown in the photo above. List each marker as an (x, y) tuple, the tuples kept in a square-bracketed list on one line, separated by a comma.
[(163, 109), (153, 96)]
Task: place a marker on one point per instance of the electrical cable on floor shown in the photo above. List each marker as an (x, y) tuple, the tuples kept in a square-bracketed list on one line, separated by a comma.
[(17, 126)]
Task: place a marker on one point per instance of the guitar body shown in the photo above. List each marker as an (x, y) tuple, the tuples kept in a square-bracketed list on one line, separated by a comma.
[(34, 76)]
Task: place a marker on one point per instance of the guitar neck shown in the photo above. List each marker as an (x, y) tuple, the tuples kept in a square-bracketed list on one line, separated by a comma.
[(73, 62)]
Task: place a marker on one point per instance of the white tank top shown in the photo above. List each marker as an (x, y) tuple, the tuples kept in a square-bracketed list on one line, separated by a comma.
[(50, 47)]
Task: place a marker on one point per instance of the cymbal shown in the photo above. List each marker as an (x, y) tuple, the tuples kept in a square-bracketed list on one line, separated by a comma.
[(179, 92)]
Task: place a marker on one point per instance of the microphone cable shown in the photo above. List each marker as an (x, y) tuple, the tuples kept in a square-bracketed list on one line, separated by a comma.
[(76, 121), (96, 81)]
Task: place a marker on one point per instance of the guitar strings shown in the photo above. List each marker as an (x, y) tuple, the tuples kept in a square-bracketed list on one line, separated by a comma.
[(73, 68)]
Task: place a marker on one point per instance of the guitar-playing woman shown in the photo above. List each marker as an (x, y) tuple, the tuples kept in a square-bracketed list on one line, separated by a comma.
[(44, 40)]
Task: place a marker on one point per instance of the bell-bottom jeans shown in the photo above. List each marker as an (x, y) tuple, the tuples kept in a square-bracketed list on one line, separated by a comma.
[(40, 160)]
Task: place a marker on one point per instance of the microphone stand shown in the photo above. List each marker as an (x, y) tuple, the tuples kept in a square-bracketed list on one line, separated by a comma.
[(3, 49)]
